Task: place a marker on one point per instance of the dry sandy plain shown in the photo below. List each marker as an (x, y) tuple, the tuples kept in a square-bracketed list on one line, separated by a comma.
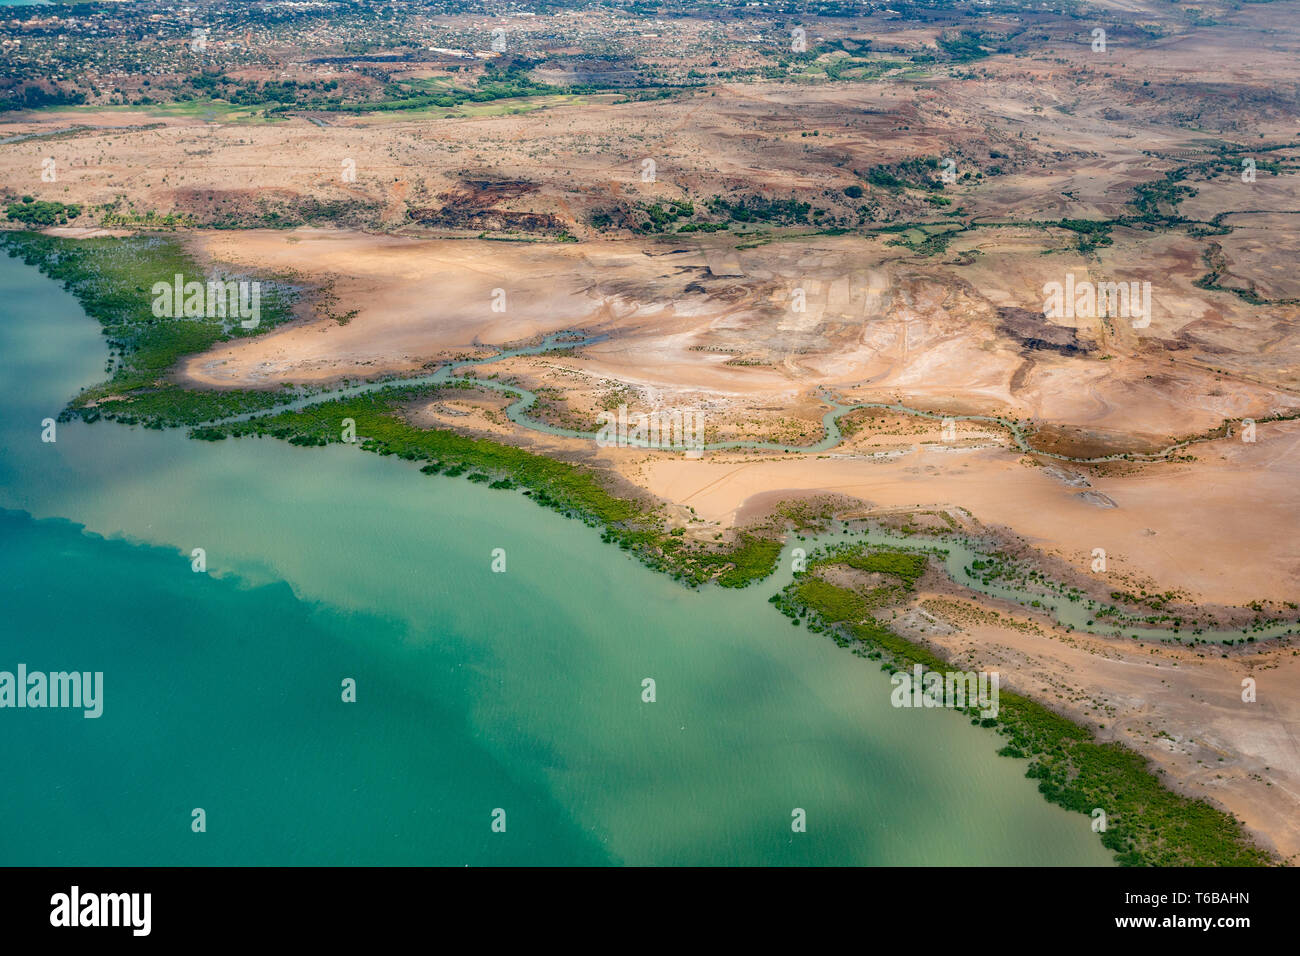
[(710, 323)]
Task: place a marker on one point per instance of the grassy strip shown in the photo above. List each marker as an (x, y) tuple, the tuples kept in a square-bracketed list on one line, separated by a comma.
[(170, 406), (381, 429), (1147, 824), (569, 489)]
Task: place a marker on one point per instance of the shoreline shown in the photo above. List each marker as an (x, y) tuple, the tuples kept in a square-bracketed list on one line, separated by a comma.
[(573, 490)]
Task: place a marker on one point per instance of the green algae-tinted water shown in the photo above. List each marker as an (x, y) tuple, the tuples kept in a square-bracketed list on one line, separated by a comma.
[(475, 690)]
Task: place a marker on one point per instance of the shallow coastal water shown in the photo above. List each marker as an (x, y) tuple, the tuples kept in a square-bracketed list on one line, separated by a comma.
[(475, 690)]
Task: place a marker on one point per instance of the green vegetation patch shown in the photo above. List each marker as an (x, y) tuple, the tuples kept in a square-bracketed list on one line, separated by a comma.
[(113, 279), (1092, 233), (963, 46), (905, 565), (757, 208), (41, 212), (906, 174), (752, 559), (832, 602)]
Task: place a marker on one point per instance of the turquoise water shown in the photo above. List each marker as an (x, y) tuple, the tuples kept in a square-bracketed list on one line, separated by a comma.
[(475, 690)]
